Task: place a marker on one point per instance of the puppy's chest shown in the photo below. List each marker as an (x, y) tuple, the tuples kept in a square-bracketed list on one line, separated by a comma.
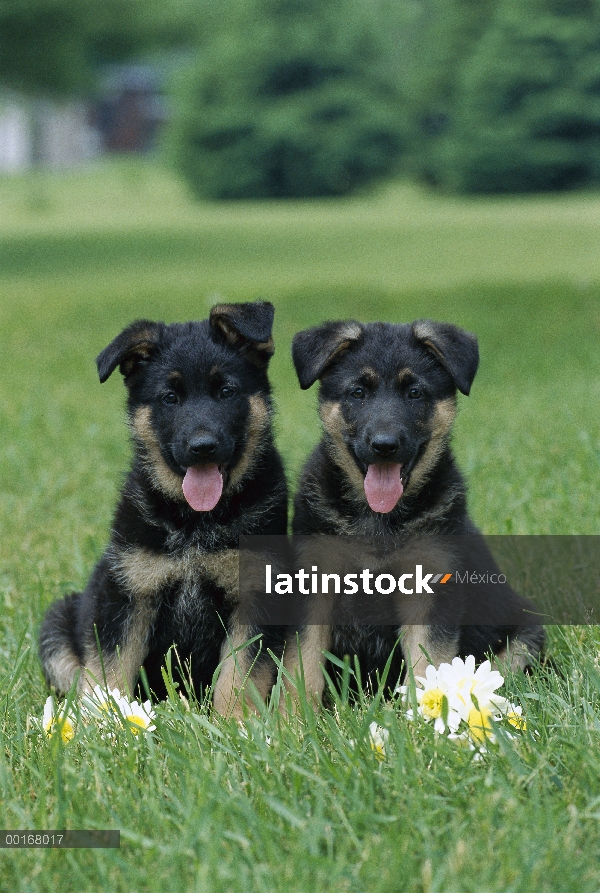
[(180, 572), (193, 608), (195, 604)]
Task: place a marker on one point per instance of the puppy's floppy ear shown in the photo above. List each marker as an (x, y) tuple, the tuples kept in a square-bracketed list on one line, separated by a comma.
[(247, 327), (313, 350), (455, 349), (134, 346)]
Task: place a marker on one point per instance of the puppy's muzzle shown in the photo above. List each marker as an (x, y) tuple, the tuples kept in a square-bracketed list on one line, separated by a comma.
[(202, 448)]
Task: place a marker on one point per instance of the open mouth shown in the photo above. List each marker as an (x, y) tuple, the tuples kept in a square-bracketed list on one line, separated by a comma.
[(384, 486), (203, 486), (385, 482)]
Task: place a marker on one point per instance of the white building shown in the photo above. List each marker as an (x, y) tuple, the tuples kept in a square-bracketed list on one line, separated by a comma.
[(49, 133), (15, 137)]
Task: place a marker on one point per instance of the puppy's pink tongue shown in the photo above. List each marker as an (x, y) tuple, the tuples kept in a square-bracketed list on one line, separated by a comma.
[(202, 487), (383, 487)]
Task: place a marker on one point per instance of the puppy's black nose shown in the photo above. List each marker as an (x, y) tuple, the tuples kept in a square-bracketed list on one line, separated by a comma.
[(203, 447), (385, 447)]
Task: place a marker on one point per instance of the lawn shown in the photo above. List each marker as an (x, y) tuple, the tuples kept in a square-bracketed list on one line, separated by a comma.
[(199, 807)]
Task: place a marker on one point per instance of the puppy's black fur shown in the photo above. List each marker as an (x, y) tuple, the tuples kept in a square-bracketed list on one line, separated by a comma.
[(384, 467), (199, 409)]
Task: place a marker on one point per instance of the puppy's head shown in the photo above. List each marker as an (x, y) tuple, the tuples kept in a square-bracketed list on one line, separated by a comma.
[(387, 398), (198, 397)]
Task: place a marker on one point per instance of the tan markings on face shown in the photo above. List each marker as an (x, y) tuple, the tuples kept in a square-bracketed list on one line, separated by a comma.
[(443, 417), (369, 376), (163, 478), (335, 425), (237, 675), (403, 375), (258, 423), (174, 378), (417, 639)]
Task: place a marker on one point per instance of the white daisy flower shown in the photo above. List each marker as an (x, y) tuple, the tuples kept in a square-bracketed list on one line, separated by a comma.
[(436, 699), (481, 727), (514, 715), (61, 721), (473, 688), (378, 737), (100, 703), (138, 716), (465, 740), (457, 695)]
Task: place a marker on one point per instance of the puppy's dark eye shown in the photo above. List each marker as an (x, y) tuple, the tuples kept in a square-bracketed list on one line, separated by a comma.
[(358, 394), (415, 394), (170, 398), (226, 391)]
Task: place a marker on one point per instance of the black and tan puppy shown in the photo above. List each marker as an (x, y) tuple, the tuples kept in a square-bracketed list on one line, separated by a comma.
[(384, 468), (205, 470)]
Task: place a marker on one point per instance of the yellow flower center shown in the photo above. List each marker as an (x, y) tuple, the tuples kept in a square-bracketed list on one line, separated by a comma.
[(67, 732), (515, 720), (64, 727), (480, 725), (136, 723), (378, 748), (432, 703)]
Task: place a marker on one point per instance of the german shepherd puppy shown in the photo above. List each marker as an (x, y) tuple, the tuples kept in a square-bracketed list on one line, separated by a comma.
[(384, 468), (205, 470)]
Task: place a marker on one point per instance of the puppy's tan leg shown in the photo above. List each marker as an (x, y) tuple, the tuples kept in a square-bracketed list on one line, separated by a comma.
[(522, 652), (239, 677), (308, 651), (121, 669), (418, 639)]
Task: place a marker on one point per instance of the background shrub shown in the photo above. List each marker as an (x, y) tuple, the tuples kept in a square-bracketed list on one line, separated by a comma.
[(289, 99), (526, 112)]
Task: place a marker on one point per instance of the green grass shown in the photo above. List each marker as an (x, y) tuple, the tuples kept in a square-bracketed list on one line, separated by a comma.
[(200, 808)]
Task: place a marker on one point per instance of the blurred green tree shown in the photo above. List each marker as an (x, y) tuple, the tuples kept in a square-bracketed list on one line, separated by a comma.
[(434, 39), (54, 46), (526, 112), (289, 98)]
